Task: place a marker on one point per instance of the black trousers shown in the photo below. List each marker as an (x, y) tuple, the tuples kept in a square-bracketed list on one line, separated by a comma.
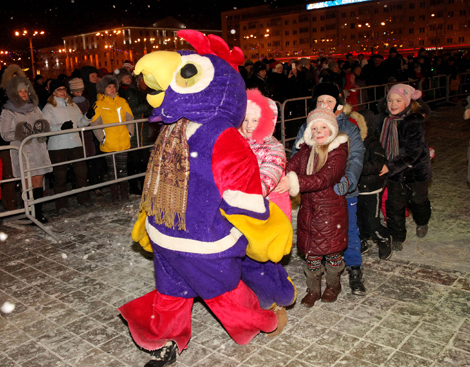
[(60, 174), (400, 195), (368, 217)]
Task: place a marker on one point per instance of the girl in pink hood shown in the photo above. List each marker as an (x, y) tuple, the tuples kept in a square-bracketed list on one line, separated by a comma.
[(269, 281), (257, 128)]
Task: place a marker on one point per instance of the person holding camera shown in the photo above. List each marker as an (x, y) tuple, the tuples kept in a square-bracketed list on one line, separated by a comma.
[(64, 114)]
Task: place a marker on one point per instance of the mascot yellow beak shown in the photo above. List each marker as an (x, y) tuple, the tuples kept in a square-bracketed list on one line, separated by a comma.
[(157, 69)]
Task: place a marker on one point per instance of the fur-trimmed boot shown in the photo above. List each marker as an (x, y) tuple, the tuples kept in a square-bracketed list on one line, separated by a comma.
[(333, 282), (38, 193), (314, 287), (281, 320)]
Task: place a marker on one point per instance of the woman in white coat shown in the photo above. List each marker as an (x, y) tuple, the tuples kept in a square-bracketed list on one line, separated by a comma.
[(63, 114)]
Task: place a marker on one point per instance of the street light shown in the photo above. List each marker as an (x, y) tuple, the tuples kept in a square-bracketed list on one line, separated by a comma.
[(30, 37)]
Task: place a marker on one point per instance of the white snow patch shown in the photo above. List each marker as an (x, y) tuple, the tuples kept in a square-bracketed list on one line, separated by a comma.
[(64, 256), (8, 307)]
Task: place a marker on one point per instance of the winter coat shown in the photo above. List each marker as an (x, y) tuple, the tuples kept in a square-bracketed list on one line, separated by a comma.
[(140, 109), (14, 114), (356, 148), (90, 88), (322, 223), (256, 82), (413, 164), (64, 111), (110, 110), (272, 162), (374, 157)]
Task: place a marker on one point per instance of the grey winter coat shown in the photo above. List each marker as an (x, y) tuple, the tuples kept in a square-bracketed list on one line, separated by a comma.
[(11, 119)]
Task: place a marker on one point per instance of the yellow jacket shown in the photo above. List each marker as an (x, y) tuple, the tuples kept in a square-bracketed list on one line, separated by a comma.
[(110, 110)]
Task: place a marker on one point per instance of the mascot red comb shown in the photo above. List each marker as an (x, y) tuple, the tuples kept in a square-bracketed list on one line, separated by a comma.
[(202, 208)]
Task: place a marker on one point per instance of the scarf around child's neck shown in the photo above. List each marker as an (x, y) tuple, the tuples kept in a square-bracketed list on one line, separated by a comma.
[(389, 136)]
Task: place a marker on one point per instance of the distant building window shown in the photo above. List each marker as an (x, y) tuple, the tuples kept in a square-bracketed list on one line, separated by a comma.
[(322, 17), (421, 30), (353, 36), (450, 14), (287, 43), (463, 12), (421, 42), (343, 15), (294, 31), (422, 4), (303, 30), (286, 33), (450, 27), (303, 18), (411, 31), (449, 40), (352, 25), (352, 14), (314, 29), (422, 17), (462, 39), (314, 19), (252, 26)]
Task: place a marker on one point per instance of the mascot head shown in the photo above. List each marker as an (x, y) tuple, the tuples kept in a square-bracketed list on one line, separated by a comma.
[(201, 86)]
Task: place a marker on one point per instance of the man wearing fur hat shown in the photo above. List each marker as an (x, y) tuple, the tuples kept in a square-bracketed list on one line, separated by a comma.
[(109, 109)]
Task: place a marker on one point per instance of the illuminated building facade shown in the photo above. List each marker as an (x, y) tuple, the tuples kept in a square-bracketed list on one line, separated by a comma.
[(109, 48), (341, 26)]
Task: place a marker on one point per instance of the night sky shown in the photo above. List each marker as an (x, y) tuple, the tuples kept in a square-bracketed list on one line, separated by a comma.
[(67, 17)]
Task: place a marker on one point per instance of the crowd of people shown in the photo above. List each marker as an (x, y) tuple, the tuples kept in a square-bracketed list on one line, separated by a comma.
[(297, 77), (342, 160), (87, 97)]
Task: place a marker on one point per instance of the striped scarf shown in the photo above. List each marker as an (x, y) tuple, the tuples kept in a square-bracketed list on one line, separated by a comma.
[(389, 135), (165, 190)]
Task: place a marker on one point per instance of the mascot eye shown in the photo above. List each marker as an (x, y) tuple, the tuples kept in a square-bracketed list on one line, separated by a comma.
[(194, 75)]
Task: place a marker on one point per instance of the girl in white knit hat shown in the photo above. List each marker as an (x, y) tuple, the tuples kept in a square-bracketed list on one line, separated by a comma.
[(322, 224)]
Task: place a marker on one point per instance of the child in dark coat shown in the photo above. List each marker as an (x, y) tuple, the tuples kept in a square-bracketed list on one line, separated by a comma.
[(371, 188), (408, 167)]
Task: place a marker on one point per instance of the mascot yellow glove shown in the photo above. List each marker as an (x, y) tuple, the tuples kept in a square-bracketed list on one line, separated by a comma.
[(269, 239), (139, 233)]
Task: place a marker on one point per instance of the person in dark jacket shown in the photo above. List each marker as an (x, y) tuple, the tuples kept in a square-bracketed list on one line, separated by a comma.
[(322, 224), (401, 126), (259, 79), (136, 159), (371, 188), (90, 78)]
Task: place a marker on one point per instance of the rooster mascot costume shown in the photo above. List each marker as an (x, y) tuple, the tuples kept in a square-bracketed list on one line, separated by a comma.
[(202, 209)]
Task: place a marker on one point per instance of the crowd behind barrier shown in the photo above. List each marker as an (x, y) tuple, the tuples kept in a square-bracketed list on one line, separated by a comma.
[(28, 201), (436, 90), (289, 84)]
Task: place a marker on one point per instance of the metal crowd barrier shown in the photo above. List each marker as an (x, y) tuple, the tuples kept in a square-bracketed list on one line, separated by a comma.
[(25, 171), (293, 112)]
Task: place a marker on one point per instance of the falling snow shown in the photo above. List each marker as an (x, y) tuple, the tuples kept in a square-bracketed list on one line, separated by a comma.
[(3, 236), (8, 307)]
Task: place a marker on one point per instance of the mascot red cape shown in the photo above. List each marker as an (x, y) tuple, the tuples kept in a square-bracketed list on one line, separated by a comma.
[(202, 209)]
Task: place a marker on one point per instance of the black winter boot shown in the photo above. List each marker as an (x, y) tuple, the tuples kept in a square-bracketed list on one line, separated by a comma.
[(355, 281), (364, 246), (38, 193), (385, 248), (164, 356), (124, 189), (114, 188)]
